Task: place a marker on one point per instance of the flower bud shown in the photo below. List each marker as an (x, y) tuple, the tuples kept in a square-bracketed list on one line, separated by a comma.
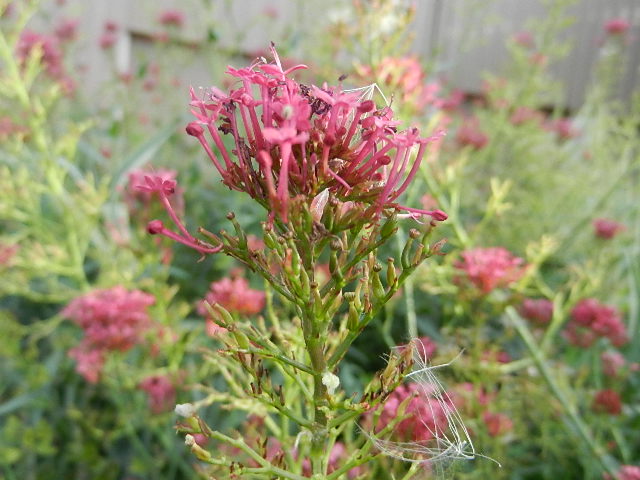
[(194, 129), (155, 226)]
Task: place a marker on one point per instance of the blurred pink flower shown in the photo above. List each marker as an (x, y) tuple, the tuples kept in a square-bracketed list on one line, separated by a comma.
[(112, 319), (52, 58), (7, 252), (171, 17), (67, 29), (525, 114), (629, 472), (469, 134), (591, 319), (607, 401), (607, 229), (491, 268), (524, 39), (563, 127), (616, 26), (425, 414), (110, 26), (107, 40), (89, 362), (537, 310), (235, 296), (497, 423), (161, 392), (612, 363)]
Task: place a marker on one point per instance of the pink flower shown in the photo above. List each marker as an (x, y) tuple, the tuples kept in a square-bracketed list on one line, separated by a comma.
[(89, 362), (7, 252), (161, 392), (112, 319), (612, 363), (538, 311), (497, 423), (524, 39), (110, 26), (235, 296), (629, 472), (107, 40), (425, 414), (563, 127), (174, 18), (142, 183), (607, 229), (469, 134), (491, 268), (616, 26), (293, 141), (525, 114), (607, 401), (591, 319), (66, 30), (51, 52)]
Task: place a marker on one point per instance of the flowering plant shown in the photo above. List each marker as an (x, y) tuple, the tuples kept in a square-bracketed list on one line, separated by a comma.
[(329, 166)]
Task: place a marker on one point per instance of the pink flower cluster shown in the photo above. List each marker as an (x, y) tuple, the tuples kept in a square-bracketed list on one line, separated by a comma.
[(52, 56), (425, 414), (607, 229), (537, 310), (112, 319), (171, 18), (470, 135), (235, 296), (405, 77), (616, 26), (161, 392), (591, 320), (491, 268), (293, 141), (607, 401)]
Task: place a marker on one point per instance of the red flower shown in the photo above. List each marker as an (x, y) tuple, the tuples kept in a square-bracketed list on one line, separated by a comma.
[(607, 401), (591, 319), (539, 311), (497, 423)]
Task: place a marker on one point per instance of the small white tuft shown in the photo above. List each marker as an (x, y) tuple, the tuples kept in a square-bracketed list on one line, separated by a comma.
[(330, 381), (185, 410)]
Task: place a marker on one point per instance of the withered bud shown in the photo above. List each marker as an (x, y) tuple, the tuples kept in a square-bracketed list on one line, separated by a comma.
[(335, 244), (377, 267), (313, 285), (231, 216), (414, 233)]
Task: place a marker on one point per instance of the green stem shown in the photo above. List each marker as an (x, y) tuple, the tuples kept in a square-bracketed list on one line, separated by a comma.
[(581, 427)]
